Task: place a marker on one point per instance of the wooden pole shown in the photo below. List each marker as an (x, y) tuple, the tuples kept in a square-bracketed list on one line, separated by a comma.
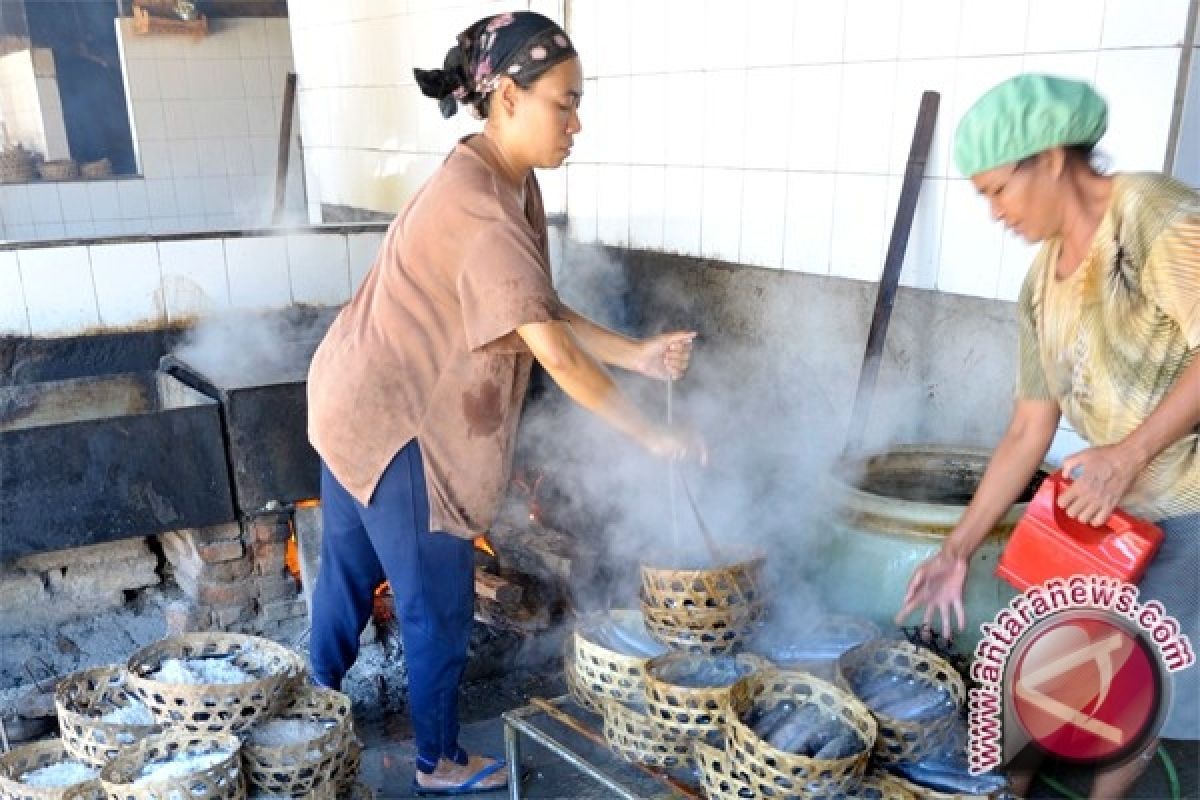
[(285, 147)]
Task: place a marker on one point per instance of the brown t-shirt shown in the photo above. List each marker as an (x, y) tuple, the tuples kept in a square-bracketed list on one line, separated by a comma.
[(427, 347)]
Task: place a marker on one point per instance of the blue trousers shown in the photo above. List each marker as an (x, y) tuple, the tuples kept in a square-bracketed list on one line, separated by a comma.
[(432, 579)]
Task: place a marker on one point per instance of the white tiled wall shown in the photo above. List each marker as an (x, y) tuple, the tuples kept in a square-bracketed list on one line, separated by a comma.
[(63, 291), (205, 116), (1187, 154), (371, 138), (779, 131)]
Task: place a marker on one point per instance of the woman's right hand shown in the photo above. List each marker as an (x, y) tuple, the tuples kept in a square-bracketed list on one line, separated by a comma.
[(937, 585), (676, 444)]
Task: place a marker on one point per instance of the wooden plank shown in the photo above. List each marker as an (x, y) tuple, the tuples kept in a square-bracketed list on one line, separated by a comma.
[(497, 589), (914, 173), (285, 147)]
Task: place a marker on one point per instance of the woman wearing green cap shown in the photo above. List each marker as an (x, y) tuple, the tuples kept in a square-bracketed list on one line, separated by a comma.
[(1109, 327)]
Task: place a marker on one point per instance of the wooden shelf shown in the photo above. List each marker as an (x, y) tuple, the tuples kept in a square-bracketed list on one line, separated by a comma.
[(144, 23)]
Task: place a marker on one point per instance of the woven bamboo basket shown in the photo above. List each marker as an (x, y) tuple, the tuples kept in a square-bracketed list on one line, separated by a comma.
[(216, 708), (917, 792), (309, 767), (26, 758), (96, 169), (900, 740), (59, 169), (704, 631), (726, 586), (606, 673), (345, 771), (16, 165), (778, 774), (716, 774), (681, 711), (82, 699), (879, 785), (575, 687), (634, 737), (221, 781)]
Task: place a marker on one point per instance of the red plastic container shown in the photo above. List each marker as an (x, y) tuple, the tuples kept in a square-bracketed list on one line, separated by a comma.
[(1048, 544)]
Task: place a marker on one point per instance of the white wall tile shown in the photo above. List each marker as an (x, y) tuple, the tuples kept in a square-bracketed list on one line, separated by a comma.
[(929, 28), (148, 119), (14, 319), (582, 197), (185, 158), (1136, 23), (683, 210), (685, 103), (1140, 88), (725, 33), (1064, 25), (75, 203), (79, 229), (721, 223), (128, 283), (1016, 256), (1080, 66), (724, 118), (217, 196), (923, 250), (173, 78), (648, 117), (818, 32), (258, 272), (613, 126), (363, 249), (647, 198), (20, 233), (102, 228), (859, 219), (769, 25), (553, 183), (872, 30), (319, 268), (195, 281), (687, 28), (613, 24), (154, 159), (14, 206), (49, 230), (809, 222), (178, 116), (767, 120), (993, 29), (131, 196), (865, 122), (210, 157), (764, 208), (584, 32), (816, 109), (912, 80), (612, 217), (647, 50), (59, 295), (103, 200), (971, 244), (160, 199)]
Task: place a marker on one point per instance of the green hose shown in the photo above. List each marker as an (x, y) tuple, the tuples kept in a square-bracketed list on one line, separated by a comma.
[(1172, 775), (1168, 767)]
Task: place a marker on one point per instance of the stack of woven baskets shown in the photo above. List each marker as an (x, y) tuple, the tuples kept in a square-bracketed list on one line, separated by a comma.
[(654, 714), (271, 735)]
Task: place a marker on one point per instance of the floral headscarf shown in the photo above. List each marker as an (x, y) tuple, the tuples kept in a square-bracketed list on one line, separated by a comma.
[(520, 44)]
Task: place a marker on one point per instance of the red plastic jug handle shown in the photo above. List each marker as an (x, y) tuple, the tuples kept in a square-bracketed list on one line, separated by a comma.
[(1118, 521)]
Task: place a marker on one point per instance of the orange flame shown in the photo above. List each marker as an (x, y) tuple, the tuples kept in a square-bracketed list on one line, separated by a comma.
[(481, 543)]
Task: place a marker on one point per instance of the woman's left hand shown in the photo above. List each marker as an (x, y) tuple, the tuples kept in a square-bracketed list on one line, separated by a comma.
[(1100, 478), (666, 356)]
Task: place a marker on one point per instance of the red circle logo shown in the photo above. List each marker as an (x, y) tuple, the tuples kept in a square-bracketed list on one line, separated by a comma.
[(1085, 688)]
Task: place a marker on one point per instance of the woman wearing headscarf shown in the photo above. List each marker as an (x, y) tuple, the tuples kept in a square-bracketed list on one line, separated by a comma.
[(416, 390), (1109, 327)]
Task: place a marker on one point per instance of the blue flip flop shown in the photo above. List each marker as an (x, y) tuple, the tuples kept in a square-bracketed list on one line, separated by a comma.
[(470, 786)]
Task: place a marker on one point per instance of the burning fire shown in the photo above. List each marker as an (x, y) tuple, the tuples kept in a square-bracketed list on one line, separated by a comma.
[(481, 543)]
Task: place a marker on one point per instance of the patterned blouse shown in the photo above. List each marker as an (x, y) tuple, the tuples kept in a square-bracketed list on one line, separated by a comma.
[(1109, 342)]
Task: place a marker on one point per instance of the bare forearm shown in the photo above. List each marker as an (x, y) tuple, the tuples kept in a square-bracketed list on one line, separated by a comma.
[(1013, 464), (607, 345), (1176, 416)]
